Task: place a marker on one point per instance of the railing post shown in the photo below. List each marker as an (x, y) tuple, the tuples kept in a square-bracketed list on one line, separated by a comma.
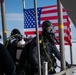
[(45, 68)]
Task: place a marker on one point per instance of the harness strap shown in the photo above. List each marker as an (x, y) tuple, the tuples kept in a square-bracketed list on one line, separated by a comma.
[(42, 41), (9, 39)]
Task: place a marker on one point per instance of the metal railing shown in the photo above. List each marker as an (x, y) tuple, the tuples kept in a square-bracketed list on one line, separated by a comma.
[(69, 71)]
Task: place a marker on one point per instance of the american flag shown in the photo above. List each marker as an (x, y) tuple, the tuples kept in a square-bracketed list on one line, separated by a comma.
[(46, 13)]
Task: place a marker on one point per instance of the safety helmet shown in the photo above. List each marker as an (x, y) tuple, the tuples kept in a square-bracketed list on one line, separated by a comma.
[(46, 24), (48, 27), (16, 34), (15, 31)]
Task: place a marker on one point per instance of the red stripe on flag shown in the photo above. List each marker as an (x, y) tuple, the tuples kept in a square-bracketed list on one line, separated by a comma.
[(31, 32), (52, 17), (56, 24), (51, 11), (49, 6)]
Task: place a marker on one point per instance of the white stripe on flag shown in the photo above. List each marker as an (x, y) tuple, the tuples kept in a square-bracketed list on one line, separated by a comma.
[(51, 8), (32, 29), (52, 14), (54, 21)]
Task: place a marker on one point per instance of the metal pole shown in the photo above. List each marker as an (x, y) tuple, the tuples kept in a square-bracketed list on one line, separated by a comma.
[(71, 56), (45, 68), (3, 21), (61, 35), (37, 37), (23, 3)]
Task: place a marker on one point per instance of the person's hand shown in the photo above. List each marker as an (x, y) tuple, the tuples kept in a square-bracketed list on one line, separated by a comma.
[(68, 66)]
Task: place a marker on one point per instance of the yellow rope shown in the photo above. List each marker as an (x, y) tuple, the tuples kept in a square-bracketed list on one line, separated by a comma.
[(47, 55), (8, 40)]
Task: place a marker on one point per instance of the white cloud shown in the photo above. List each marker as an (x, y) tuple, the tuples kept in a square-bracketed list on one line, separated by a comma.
[(14, 17)]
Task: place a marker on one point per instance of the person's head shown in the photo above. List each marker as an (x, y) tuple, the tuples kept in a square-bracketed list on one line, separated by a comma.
[(47, 27), (15, 31)]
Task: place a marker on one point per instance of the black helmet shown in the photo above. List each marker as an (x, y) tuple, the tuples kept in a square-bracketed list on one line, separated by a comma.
[(47, 27), (16, 34), (46, 24), (15, 31)]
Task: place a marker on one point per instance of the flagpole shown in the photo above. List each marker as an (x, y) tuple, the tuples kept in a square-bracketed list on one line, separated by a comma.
[(3, 21), (71, 53), (61, 35), (23, 3), (37, 37), (71, 56)]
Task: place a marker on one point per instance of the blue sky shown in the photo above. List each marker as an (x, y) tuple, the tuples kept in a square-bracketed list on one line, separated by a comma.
[(14, 14)]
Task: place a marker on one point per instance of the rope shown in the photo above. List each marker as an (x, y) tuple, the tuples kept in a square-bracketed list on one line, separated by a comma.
[(9, 38), (47, 54)]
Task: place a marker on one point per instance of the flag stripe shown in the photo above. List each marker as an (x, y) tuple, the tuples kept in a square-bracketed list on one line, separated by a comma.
[(51, 17), (51, 11), (50, 6), (55, 22), (53, 14)]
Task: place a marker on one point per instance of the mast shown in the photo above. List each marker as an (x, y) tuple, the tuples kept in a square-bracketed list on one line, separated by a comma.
[(37, 37), (61, 35), (3, 21)]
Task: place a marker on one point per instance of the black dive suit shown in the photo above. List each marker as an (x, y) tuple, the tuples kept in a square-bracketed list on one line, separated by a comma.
[(48, 52), (7, 66)]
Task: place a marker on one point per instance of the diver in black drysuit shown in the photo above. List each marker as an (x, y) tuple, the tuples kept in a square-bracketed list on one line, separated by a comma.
[(11, 43), (48, 49), (7, 65), (14, 43)]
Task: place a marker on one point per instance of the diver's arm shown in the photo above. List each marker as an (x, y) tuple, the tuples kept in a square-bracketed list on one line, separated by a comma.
[(57, 54), (34, 56)]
